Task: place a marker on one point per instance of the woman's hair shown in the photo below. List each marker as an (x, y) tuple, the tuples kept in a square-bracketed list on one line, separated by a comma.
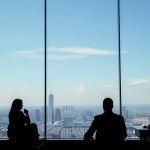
[(16, 105)]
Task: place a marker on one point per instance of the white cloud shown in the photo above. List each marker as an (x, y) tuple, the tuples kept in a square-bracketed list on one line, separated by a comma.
[(64, 53), (25, 87), (81, 90), (65, 57), (83, 50), (107, 88), (138, 81), (28, 51)]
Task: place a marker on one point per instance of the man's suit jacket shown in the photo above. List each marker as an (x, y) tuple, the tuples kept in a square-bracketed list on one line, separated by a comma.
[(110, 129)]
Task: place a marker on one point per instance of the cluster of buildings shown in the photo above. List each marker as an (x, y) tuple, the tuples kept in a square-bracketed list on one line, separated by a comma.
[(68, 108), (142, 119), (54, 133), (67, 132)]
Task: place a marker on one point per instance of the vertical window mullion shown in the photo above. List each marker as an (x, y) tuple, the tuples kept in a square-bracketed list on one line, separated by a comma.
[(45, 68), (119, 56)]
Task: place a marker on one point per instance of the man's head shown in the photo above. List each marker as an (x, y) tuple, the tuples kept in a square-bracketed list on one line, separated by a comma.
[(108, 104)]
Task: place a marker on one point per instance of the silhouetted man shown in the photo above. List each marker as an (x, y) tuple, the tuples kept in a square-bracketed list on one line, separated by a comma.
[(110, 127)]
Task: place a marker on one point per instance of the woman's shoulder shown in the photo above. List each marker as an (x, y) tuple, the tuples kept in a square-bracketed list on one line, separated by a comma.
[(15, 113)]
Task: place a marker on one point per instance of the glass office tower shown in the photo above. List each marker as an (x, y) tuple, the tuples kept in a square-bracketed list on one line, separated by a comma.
[(50, 109)]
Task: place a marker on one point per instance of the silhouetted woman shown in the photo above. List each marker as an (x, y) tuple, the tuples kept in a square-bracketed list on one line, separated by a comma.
[(20, 134)]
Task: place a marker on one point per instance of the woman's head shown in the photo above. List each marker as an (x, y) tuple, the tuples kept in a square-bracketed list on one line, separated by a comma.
[(16, 105)]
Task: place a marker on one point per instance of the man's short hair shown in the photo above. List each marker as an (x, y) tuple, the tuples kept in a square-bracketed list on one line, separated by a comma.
[(108, 101)]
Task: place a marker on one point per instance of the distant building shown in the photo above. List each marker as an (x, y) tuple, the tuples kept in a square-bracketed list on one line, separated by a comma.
[(65, 134), (125, 113), (57, 115), (68, 120), (50, 109), (78, 121), (142, 118), (88, 123), (68, 108), (72, 124), (53, 135), (37, 115)]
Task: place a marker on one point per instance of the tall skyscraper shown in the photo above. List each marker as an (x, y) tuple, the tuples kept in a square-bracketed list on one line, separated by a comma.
[(37, 115), (57, 115), (125, 113), (50, 109)]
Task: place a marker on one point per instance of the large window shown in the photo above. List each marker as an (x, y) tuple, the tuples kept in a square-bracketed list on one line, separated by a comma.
[(82, 63), (22, 60), (135, 35)]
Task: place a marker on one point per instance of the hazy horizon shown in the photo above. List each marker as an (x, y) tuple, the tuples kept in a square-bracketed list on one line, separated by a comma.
[(83, 105)]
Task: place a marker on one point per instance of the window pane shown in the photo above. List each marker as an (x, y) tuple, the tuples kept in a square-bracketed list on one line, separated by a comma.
[(135, 35), (82, 63), (22, 60)]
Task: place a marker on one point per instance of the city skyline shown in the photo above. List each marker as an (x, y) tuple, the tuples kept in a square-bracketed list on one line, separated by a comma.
[(39, 106), (77, 122)]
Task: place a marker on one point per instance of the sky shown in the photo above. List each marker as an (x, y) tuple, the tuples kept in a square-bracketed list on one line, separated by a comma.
[(82, 51)]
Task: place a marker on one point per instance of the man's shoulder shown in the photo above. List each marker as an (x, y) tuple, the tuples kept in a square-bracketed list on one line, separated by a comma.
[(112, 115), (98, 116)]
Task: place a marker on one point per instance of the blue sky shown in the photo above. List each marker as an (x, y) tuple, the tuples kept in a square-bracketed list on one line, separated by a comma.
[(82, 51)]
